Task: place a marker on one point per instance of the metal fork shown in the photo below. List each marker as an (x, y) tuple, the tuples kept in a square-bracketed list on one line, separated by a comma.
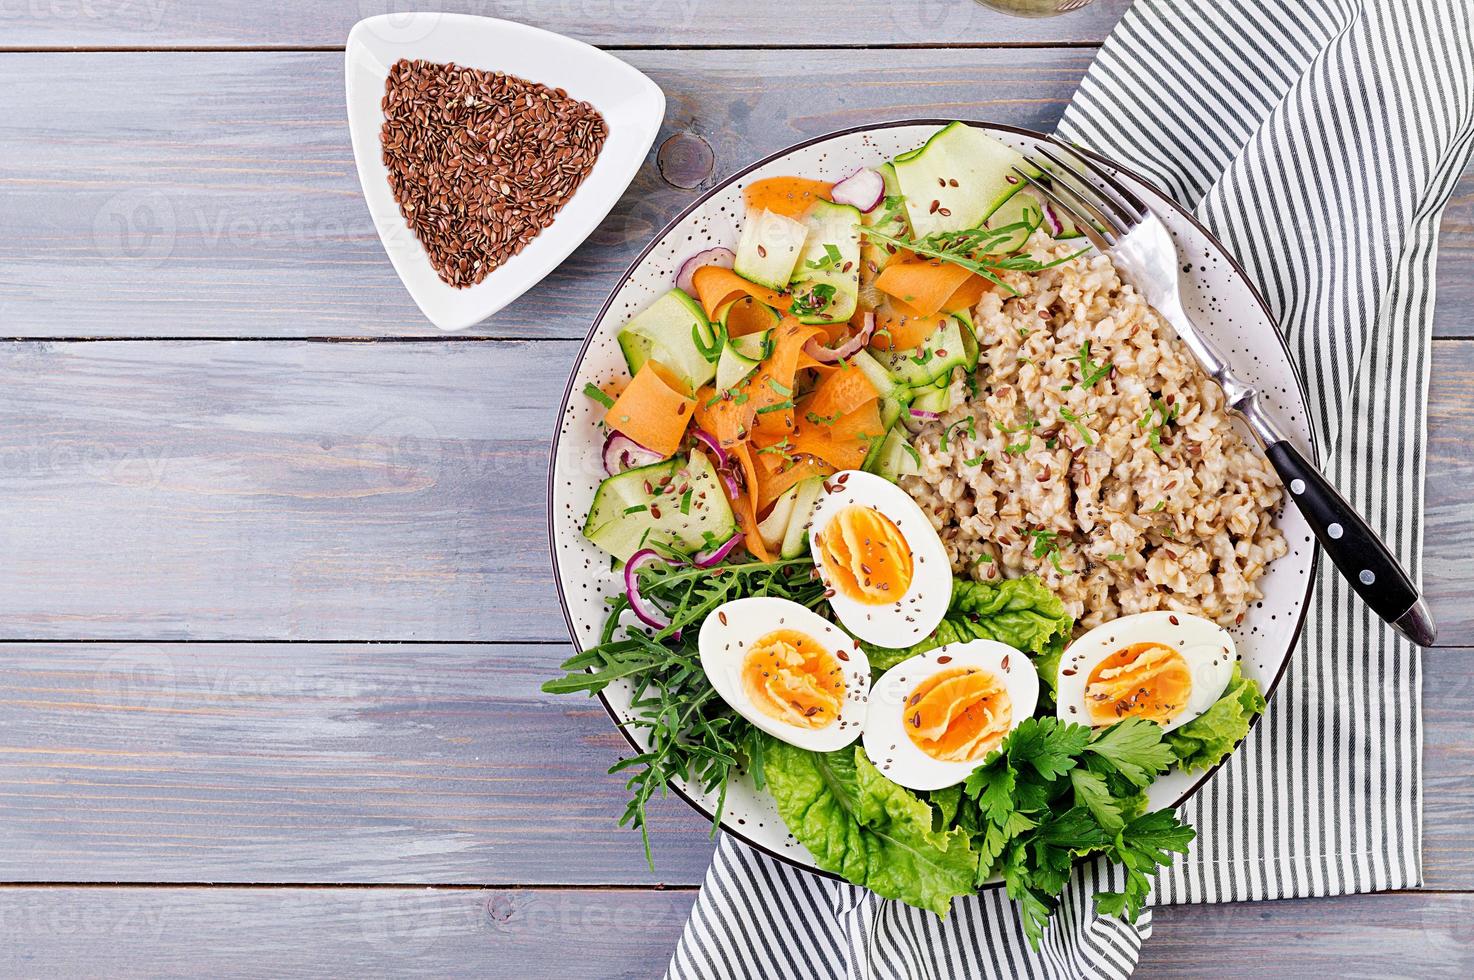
[(1118, 223)]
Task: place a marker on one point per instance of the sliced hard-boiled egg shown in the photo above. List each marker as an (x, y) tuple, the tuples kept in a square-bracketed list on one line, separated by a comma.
[(935, 717), (1168, 667), (786, 669), (881, 559)]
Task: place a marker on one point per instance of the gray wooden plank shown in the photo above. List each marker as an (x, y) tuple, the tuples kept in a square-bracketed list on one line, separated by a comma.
[(349, 764), (541, 933), (197, 195), (316, 763), (206, 491), (194, 23)]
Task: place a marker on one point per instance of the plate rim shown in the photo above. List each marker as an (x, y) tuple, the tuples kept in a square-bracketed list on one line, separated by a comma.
[(669, 227)]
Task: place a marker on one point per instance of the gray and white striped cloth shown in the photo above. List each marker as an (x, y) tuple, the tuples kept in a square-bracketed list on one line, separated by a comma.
[(1319, 140)]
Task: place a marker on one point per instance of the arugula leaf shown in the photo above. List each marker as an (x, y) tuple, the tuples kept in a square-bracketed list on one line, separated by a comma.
[(873, 832), (1204, 742)]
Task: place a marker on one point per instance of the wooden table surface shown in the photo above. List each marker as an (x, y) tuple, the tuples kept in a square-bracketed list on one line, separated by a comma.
[(276, 598)]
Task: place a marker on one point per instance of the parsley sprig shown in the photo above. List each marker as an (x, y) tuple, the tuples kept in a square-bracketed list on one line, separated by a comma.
[(1056, 791)]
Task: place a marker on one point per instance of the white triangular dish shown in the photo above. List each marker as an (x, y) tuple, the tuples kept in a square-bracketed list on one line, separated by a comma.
[(632, 105)]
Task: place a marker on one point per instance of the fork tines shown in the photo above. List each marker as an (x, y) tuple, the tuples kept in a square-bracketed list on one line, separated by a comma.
[(1104, 214)]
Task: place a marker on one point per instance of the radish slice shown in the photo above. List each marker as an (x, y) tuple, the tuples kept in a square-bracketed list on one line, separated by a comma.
[(715, 448), (720, 257), (864, 189), (833, 355), (623, 453), (648, 614), (706, 559)]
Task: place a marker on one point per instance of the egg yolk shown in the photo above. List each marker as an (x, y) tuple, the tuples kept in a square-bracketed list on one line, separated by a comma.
[(1144, 680), (790, 676), (958, 715), (866, 556)]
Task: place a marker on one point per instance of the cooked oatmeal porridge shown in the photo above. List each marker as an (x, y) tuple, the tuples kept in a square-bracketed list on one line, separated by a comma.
[(1091, 450)]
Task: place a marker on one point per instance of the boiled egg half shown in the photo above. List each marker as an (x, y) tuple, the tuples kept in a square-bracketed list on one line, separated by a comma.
[(1168, 667), (881, 559), (786, 669), (935, 717)]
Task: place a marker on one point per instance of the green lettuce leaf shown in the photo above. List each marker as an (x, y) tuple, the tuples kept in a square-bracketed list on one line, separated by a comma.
[(1021, 612), (867, 829), (1208, 738)]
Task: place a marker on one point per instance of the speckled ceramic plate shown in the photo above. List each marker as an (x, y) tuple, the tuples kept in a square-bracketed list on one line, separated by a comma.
[(1216, 292)]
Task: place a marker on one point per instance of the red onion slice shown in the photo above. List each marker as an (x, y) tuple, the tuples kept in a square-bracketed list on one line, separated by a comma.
[(706, 559), (925, 416), (713, 446), (623, 453), (833, 355), (1056, 227), (722, 257), (730, 482), (864, 189), (647, 613)]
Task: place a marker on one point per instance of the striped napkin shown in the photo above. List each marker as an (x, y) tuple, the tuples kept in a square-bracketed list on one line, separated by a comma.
[(1319, 140)]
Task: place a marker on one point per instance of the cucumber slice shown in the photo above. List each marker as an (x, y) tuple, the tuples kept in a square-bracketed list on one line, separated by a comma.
[(773, 527), (893, 406), (649, 505), (769, 248), (826, 281), (957, 179), (796, 536), (928, 399), (897, 457), (667, 331), (739, 357), (1023, 209), (944, 350), (874, 371)]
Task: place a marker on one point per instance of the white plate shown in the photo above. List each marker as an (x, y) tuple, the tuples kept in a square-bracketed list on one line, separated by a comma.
[(631, 104), (1216, 294)]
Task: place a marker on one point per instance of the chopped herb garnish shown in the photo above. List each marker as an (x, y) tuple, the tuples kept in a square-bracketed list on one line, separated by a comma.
[(1078, 421), (1161, 506), (813, 302), (815, 418), (1115, 557), (784, 405), (1090, 372), (780, 388), (831, 258), (983, 559), (686, 501), (593, 391), (972, 432), (1019, 448), (635, 509), (976, 460)]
